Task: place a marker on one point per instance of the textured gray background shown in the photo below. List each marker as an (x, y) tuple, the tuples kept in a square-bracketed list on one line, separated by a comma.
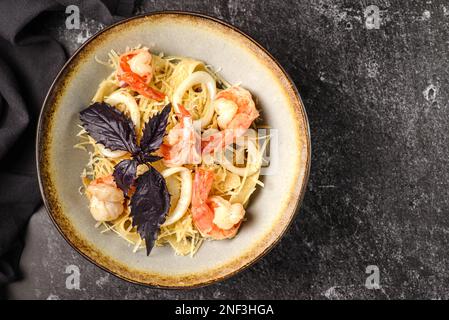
[(377, 102)]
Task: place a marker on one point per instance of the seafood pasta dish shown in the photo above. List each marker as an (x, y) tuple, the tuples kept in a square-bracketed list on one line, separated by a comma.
[(174, 152)]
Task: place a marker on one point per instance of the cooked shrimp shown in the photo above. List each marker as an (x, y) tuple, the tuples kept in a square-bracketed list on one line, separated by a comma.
[(106, 200), (214, 217), (135, 69), (182, 143), (236, 112)]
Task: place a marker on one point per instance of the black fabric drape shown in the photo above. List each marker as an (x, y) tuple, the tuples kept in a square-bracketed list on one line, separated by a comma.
[(29, 61)]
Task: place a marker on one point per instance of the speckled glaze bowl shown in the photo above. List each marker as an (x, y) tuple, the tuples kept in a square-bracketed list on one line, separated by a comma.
[(241, 59)]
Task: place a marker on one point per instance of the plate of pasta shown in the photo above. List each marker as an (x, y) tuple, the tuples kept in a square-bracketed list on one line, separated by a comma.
[(172, 150)]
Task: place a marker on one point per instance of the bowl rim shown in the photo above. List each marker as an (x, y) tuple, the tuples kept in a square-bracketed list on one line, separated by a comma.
[(302, 183)]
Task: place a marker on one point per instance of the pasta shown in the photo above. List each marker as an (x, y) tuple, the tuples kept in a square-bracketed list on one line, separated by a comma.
[(209, 157)]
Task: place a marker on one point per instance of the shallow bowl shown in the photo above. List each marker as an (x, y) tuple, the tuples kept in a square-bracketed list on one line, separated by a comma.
[(241, 60)]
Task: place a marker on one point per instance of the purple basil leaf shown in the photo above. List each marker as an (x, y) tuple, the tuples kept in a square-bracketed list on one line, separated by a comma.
[(154, 130), (124, 174), (150, 158), (110, 127), (149, 205)]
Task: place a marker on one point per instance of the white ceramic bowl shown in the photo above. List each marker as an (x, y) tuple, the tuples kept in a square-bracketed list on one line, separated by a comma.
[(241, 59)]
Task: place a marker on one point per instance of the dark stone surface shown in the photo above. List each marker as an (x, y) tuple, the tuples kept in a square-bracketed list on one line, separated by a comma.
[(377, 102)]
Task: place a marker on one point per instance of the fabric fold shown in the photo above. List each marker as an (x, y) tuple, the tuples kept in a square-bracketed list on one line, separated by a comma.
[(29, 62)]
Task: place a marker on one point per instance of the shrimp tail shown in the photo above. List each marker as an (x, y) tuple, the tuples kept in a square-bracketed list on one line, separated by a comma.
[(138, 84), (220, 140), (183, 112), (135, 81), (202, 185), (201, 213)]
